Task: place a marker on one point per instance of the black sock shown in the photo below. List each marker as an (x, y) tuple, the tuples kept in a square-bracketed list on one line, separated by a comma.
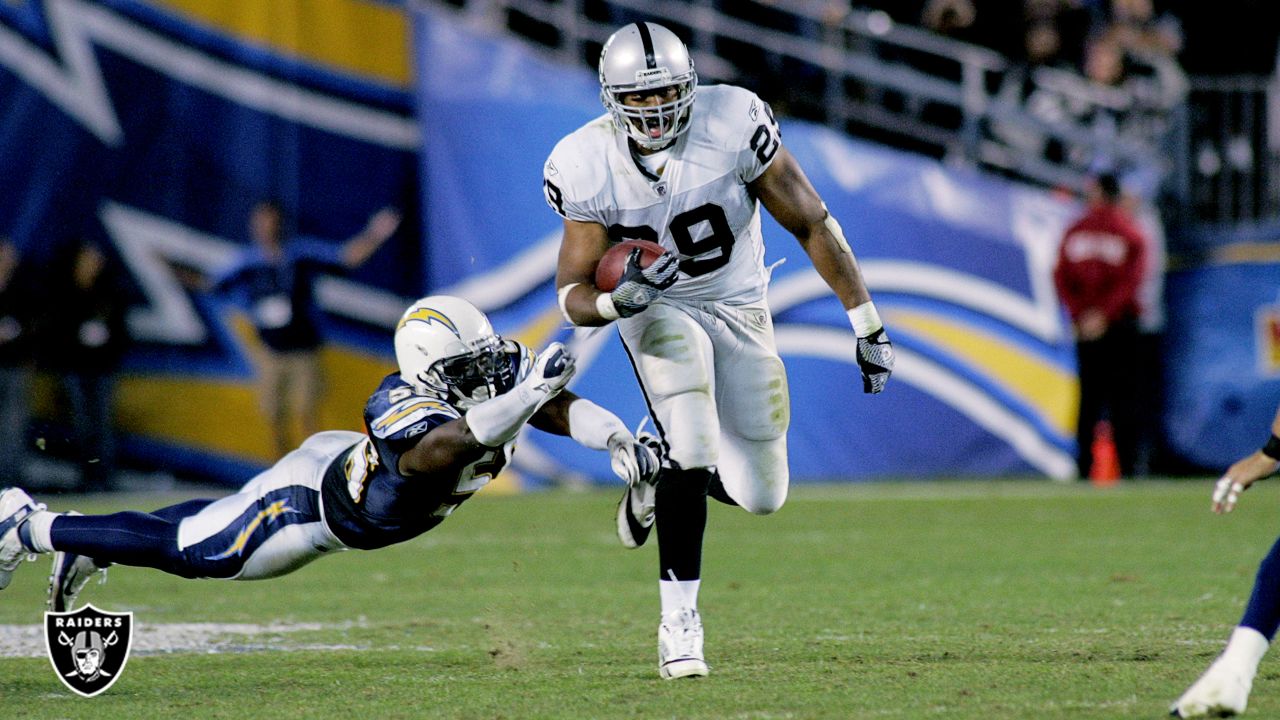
[(681, 509), (716, 491)]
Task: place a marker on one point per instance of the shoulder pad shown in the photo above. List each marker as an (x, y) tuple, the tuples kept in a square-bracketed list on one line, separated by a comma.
[(731, 114), (574, 166), (409, 416)]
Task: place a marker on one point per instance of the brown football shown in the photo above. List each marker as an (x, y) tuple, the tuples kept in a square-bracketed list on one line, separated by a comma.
[(614, 261)]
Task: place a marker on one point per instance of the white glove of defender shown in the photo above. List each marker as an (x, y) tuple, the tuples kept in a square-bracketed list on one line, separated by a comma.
[(631, 460), (554, 369)]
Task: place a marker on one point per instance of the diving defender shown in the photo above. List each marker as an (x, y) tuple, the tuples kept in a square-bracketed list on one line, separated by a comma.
[(436, 431)]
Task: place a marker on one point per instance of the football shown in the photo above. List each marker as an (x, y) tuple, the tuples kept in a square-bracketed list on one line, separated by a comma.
[(614, 262)]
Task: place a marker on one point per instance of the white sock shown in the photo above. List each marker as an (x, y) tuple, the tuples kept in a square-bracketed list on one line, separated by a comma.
[(678, 594), (40, 525), (1244, 650)]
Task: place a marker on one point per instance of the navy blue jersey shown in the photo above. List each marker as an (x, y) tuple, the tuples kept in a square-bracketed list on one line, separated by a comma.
[(368, 503)]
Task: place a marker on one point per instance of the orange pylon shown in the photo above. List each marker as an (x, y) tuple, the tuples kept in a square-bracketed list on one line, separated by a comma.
[(1105, 470)]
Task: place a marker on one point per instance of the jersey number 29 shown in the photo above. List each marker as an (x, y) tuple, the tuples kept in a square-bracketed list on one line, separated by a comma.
[(704, 252)]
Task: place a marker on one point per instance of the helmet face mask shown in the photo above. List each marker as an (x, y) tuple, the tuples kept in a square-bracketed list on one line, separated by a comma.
[(646, 59), (482, 374), (447, 348)]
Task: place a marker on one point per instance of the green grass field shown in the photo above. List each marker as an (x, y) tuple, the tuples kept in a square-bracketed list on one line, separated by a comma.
[(914, 600)]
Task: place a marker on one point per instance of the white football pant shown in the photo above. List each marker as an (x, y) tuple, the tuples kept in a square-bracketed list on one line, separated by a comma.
[(717, 391)]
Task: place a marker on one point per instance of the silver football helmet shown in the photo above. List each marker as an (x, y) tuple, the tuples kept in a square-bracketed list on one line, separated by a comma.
[(446, 347), (645, 57)]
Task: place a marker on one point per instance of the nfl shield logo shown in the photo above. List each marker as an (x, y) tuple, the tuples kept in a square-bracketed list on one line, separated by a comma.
[(88, 647)]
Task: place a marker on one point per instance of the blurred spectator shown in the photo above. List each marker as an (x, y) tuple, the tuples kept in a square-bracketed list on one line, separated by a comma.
[(16, 368), (1141, 29), (275, 280), (82, 340), (1054, 32), (952, 18), (1101, 267)]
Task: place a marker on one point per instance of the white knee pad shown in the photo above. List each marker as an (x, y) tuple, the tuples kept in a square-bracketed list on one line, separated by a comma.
[(754, 400), (755, 472)]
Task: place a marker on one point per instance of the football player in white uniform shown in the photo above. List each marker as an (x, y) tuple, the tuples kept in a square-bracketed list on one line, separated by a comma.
[(436, 432), (691, 174)]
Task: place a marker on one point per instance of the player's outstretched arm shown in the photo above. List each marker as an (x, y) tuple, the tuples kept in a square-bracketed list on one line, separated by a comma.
[(594, 427), (1248, 470), (790, 198), (493, 422)]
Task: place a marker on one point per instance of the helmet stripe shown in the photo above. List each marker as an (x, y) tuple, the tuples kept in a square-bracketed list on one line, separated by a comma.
[(647, 41)]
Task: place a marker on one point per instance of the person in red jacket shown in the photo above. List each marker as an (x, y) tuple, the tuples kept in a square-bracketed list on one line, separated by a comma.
[(1100, 267)]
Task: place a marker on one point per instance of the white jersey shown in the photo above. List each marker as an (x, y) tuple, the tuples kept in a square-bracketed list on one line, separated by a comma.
[(699, 207)]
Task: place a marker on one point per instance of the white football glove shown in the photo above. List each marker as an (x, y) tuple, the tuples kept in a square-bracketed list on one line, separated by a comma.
[(554, 369), (631, 460), (639, 287)]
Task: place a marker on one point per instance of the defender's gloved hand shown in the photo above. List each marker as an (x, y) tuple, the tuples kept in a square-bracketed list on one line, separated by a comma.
[(631, 460), (554, 369)]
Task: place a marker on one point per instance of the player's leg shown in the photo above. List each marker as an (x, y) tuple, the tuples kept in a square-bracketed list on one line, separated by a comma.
[(274, 525), (26, 528), (754, 409), (672, 356), (71, 572), (1224, 688), (271, 526)]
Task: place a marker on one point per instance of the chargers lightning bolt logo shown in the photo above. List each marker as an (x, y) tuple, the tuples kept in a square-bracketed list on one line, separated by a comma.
[(429, 315), (273, 511)]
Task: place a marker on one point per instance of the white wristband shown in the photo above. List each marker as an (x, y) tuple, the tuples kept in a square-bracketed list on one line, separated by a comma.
[(592, 426), (865, 319), (562, 297), (606, 308)]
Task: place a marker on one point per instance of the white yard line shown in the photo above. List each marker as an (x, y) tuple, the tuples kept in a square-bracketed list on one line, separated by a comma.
[(164, 638)]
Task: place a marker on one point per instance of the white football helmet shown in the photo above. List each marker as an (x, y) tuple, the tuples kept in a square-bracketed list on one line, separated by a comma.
[(446, 347), (641, 57)]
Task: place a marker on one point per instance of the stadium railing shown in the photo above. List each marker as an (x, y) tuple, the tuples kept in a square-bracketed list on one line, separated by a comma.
[(862, 73)]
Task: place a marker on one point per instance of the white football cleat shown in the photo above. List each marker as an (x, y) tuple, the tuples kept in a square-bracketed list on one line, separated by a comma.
[(15, 506), (70, 574), (680, 645), (636, 508), (1221, 692)]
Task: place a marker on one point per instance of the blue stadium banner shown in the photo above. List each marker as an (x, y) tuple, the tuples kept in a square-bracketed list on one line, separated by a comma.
[(154, 127), (1223, 359)]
